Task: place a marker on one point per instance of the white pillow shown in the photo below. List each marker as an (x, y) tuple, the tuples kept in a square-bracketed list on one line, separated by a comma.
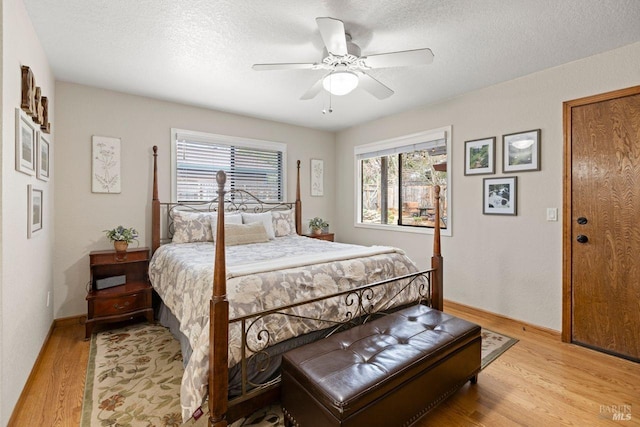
[(284, 223), (243, 234), (192, 226), (264, 218)]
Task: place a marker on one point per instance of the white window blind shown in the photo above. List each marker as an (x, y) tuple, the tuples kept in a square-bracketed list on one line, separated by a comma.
[(415, 142), (435, 146), (250, 165)]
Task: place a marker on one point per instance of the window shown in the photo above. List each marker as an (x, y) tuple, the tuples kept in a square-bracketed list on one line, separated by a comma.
[(396, 182), (251, 165)]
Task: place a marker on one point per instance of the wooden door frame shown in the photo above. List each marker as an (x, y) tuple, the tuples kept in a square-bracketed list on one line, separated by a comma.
[(567, 209)]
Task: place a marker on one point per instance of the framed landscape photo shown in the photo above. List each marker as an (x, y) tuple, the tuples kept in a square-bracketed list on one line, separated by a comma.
[(479, 156), (26, 134), (521, 151), (42, 169), (34, 201), (499, 196)]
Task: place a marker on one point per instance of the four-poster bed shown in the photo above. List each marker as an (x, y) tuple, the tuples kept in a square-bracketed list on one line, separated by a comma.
[(401, 285)]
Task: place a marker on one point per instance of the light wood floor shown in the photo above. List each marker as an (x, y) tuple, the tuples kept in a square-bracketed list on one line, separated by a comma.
[(538, 382)]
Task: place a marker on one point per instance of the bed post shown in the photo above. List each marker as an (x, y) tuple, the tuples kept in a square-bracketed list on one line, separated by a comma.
[(219, 324), (298, 204), (155, 205), (436, 259)]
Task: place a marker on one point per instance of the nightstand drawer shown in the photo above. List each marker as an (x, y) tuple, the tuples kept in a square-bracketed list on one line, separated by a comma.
[(121, 304), (323, 236), (109, 257)]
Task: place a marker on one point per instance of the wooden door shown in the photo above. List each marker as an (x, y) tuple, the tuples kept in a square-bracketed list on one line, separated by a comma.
[(601, 307)]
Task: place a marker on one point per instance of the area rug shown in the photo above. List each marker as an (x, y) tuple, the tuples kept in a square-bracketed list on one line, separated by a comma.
[(493, 345), (134, 373)]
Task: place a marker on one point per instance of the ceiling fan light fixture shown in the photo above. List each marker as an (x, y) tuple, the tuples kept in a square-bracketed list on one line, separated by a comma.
[(340, 82)]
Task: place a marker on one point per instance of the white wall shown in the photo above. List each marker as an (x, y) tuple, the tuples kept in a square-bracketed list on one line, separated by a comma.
[(510, 265), (27, 269), (141, 123)]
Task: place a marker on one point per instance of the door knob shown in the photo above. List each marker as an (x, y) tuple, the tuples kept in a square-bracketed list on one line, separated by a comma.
[(582, 238)]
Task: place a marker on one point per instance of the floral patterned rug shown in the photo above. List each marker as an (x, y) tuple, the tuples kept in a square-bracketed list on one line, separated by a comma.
[(133, 378), (134, 373), (493, 345)]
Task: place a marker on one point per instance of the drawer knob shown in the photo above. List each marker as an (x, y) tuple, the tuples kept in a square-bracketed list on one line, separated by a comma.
[(120, 307)]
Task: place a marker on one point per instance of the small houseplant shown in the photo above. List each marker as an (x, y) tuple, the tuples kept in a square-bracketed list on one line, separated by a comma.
[(121, 237), (317, 225)]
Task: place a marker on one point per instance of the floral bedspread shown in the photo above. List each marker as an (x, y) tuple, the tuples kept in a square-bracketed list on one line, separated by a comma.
[(182, 274)]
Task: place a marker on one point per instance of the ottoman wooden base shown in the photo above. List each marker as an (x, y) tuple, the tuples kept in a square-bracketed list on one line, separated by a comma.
[(388, 372)]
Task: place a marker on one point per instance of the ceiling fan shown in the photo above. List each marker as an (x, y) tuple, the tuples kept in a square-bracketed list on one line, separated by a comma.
[(347, 69)]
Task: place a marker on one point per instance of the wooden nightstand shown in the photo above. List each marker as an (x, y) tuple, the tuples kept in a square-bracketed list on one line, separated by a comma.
[(323, 236), (122, 302)]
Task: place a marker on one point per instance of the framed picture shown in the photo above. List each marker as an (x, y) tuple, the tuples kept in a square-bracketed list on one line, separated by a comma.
[(521, 151), (106, 165), (26, 134), (499, 196), (42, 169), (317, 177), (35, 202), (479, 156)]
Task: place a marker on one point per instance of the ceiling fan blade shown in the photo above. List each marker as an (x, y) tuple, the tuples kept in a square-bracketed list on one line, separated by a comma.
[(333, 35), (400, 59), (374, 87), (313, 90), (283, 66)]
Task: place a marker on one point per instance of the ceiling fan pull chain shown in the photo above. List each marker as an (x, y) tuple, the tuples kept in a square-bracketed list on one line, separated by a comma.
[(324, 110), (330, 107)]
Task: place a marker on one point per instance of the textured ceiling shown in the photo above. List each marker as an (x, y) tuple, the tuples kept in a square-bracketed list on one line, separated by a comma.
[(200, 52)]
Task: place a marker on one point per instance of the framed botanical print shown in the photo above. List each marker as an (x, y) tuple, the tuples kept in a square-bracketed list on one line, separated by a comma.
[(106, 165), (43, 163), (317, 177), (34, 206), (26, 135)]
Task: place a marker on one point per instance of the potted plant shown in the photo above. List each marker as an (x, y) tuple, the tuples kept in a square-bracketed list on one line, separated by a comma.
[(121, 237), (317, 225)]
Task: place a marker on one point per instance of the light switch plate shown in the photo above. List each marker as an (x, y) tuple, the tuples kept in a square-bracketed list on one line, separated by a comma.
[(552, 214)]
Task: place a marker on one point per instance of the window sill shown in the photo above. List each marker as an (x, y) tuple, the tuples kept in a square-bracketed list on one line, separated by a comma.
[(403, 229)]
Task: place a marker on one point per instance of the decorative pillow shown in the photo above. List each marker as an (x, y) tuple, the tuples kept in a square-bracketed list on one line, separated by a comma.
[(284, 222), (243, 234), (192, 227), (234, 218), (265, 218)]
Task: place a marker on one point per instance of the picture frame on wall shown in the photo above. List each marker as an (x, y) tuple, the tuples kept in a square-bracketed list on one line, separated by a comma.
[(43, 163), (26, 136), (106, 165), (521, 151), (479, 156), (317, 177), (500, 196), (35, 201)]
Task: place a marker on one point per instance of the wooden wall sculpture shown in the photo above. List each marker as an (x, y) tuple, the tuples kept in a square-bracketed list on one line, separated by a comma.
[(33, 103)]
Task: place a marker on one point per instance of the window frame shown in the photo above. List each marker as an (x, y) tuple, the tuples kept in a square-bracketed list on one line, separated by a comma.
[(236, 141), (396, 143)]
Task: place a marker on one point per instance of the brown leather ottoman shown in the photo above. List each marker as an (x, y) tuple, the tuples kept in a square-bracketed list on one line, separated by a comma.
[(387, 372)]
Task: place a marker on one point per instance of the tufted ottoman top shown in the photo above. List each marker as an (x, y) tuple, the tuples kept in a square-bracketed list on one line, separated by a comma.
[(350, 369)]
